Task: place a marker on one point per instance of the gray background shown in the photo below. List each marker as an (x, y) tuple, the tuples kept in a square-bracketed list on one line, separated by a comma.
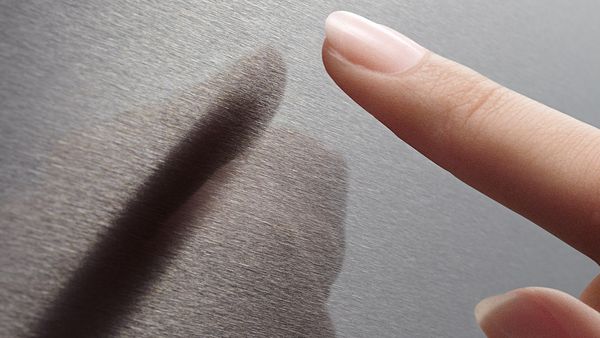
[(421, 247)]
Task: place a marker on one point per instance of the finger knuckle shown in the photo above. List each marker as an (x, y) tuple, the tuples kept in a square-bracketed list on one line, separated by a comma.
[(471, 103)]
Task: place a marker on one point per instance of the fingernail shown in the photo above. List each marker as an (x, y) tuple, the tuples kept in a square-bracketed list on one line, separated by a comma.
[(373, 46), (489, 305)]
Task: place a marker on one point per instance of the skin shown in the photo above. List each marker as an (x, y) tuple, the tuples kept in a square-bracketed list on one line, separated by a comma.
[(533, 159)]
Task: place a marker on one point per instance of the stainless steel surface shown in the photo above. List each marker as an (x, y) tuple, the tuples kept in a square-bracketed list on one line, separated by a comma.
[(421, 248)]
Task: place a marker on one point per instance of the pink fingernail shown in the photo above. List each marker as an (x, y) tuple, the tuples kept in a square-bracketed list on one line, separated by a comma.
[(491, 304), (371, 45)]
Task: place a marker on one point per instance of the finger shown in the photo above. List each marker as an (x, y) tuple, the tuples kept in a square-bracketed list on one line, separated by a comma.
[(591, 294), (536, 312), (531, 158)]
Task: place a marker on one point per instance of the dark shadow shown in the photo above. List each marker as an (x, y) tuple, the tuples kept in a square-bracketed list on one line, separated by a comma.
[(264, 245), (129, 256)]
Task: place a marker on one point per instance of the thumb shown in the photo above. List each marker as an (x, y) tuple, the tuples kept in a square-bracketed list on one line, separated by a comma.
[(537, 312)]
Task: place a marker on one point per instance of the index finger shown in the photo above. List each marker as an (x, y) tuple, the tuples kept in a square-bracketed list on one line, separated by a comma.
[(533, 159)]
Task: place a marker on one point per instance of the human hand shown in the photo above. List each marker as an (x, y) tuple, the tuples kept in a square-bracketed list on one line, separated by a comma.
[(531, 158)]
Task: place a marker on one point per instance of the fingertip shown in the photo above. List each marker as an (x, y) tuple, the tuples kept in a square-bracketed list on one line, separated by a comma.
[(536, 312), (591, 294)]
